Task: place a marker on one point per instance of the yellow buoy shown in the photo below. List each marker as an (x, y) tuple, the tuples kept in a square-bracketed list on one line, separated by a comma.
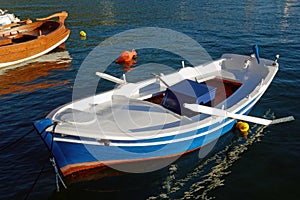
[(243, 127), (82, 34)]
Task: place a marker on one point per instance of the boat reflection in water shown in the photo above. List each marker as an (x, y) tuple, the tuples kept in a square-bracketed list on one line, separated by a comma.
[(24, 77)]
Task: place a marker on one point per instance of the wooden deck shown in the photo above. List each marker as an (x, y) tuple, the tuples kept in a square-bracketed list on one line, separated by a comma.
[(225, 88)]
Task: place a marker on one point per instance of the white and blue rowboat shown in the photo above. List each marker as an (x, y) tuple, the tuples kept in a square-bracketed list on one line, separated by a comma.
[(156, 119)]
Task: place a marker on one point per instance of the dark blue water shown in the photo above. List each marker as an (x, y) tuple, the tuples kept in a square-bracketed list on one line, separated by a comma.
[(263, 166)]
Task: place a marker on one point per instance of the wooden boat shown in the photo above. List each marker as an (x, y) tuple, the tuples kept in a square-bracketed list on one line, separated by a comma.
[(24, 42), (135, 126)]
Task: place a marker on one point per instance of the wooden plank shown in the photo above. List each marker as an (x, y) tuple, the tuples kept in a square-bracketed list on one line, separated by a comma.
[(5, 41)]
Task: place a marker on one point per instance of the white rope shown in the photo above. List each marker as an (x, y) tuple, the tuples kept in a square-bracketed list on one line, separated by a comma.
[(52, 160)]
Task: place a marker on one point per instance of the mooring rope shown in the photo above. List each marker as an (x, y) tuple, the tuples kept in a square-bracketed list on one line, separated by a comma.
[(35, 181), (53, 132), (52, 160), (17, 140), (57, 177)]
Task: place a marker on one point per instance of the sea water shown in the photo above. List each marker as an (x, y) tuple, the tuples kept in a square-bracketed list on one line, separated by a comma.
[(263, 166)]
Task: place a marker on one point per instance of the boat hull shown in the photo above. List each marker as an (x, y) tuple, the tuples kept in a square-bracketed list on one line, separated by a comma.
[(82, 162), (30, 41)]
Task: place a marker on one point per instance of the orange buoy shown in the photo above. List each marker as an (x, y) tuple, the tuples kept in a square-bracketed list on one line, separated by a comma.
[(127, 57)]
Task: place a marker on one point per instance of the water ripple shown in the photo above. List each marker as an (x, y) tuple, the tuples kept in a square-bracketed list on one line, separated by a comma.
[(198, 183)]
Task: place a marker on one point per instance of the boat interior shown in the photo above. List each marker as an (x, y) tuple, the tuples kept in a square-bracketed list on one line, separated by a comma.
[(162, 110), (26, 33), (224, 88), (144, 108)]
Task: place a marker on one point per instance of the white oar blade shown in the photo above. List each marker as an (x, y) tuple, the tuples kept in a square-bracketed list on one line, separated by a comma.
[(247, 118), (284, 119), (224, 113)]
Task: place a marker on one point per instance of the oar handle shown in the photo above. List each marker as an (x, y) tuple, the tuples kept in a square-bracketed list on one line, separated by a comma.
[(111, 78), (12, 24)]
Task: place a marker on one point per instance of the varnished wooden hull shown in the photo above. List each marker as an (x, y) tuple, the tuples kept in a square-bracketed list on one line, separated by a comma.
[(30, 41)]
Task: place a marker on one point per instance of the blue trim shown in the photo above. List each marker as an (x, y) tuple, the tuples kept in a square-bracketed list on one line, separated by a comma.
[(42, 125)]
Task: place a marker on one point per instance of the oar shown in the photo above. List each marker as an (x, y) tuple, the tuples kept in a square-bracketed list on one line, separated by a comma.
[(224, 113), (12, 24), (111, 78)]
